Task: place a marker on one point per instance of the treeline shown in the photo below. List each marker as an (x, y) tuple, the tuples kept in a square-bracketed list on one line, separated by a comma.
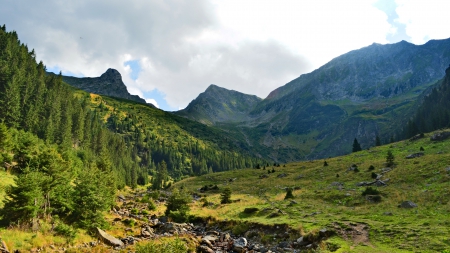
[(434, 112)]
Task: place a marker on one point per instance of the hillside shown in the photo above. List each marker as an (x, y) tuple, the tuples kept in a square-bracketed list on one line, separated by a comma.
[(365, 93), (109, 84), (331, 197)]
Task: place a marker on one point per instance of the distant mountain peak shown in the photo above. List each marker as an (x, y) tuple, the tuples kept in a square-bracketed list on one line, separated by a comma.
[(112, 73), (218, 104)]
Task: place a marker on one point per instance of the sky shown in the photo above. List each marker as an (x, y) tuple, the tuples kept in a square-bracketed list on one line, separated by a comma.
[(169, 51)]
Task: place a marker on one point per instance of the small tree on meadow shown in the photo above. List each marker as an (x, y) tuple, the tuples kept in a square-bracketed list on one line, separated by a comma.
[(325, 164), (356, 146), (390, 159), (225, 197), (289, 194)]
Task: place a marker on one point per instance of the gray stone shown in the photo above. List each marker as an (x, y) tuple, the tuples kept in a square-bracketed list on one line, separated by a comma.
[(282, 175), (407, 204), (302, 242), (284, 245), (440, 136), (239, 244), (108, 239), (415, 155)]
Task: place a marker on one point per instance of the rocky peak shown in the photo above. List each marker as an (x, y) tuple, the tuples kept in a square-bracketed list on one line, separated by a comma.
[(109, 84), (112, 75)]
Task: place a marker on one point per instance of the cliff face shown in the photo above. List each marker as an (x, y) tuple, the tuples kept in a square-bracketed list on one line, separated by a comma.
[(109, 84)]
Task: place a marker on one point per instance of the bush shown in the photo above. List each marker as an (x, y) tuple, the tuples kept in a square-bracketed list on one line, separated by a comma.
[(176, 246), (289, 194), (371, 167), (66, 231), (370, 191), (249, 210), (151, 206), (134, 211), (374, 175), (325, 164)]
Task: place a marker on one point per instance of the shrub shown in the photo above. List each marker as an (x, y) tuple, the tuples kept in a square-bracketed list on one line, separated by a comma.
[(371, 167), (325, 164), (422, 149), (374, 175), (249, 210), (134, 211), (66, 231), (370, 191), (289, 194), (151, 206), (176, 246)]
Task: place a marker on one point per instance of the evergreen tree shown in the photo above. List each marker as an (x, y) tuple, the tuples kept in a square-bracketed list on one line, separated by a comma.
[(225, 197), (178, 205), (356, 146), (377, 141), (390, 159), (289, 194)]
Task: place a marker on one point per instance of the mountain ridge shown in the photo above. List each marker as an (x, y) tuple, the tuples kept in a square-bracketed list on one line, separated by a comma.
[(364, 93)]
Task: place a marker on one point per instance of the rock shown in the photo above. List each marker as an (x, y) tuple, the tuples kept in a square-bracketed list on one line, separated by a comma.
[(415, 155), (407, 204), (263, 176), (282, 175), (440, 136), (388, 213), (121, 197), (284, 245), (145, 233), (416, 137), (447, 169), (302, 242), (299, 177), (207, 242), (205, 249), (239, 244), (108, 239)]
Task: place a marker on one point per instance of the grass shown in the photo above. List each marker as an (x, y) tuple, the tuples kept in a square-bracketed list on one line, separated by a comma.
[(422, 180)]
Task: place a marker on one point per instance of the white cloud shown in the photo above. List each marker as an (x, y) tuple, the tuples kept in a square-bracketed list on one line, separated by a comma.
[(152, 101), (252, 46), (424, 20)]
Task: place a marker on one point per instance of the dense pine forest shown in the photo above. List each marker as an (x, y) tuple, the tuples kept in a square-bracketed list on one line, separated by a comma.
[(434, 112), (72, 150)]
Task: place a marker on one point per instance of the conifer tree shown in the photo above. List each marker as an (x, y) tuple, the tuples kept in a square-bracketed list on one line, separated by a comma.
[(356, 146)]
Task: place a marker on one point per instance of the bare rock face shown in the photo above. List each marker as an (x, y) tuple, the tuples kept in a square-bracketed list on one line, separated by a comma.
[(108, 239)]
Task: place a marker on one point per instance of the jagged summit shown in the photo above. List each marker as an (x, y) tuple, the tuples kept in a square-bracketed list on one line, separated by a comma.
[(109, 84)]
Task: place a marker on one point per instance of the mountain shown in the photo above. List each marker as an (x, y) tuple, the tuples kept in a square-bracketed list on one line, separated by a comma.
[(218, 104), (362, 94), (109, 84)]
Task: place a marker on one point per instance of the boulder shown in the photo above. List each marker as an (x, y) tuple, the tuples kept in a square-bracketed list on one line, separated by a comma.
[(440, 136), (302, 242), (407, 204), (108, 239), (282, 175), (416, 137), (239, 244), (205, 249), (415, 155)]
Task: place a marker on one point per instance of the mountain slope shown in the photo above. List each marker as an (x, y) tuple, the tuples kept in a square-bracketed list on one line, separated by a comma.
[(364, 93), (109, 84), (217, 104)]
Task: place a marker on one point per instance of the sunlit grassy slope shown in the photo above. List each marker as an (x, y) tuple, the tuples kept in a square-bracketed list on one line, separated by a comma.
[(320, 203)]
